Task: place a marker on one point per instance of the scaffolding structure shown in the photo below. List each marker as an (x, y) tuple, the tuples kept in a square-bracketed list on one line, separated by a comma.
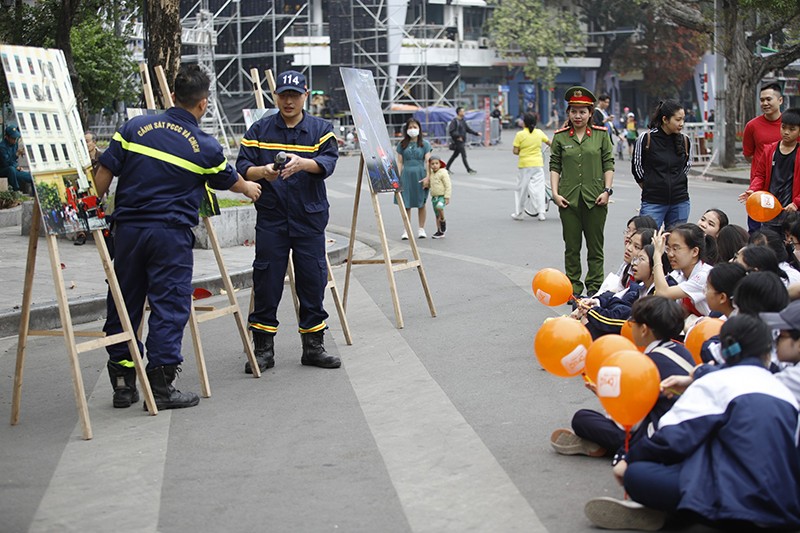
[(248, 36), (370, 34)]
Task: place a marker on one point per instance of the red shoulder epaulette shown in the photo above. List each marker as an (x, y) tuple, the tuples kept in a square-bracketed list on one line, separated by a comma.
[(565, 128), (599, 128)]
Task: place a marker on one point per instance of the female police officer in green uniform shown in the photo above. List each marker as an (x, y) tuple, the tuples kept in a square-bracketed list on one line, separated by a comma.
[(581, 175)]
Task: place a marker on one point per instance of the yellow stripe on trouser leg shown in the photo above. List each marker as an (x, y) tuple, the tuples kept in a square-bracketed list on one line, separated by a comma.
[(318, 327)]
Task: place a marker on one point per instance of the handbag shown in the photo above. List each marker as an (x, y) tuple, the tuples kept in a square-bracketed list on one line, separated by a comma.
[(452, 145)]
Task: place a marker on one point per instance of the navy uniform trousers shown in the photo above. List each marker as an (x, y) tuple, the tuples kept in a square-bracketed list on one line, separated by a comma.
[(269, 271), (158, 265)]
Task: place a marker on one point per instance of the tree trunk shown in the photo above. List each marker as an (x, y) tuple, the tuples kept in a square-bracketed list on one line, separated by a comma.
[(163, 40), (65, 22)]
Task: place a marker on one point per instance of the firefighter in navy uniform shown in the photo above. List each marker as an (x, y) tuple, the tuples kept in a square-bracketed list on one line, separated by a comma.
[(291, 214), (163, 163)]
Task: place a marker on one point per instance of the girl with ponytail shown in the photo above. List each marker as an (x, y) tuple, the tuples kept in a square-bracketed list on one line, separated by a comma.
[(661, 163)]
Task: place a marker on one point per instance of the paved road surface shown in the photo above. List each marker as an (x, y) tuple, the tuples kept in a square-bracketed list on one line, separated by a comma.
[(442, 426)]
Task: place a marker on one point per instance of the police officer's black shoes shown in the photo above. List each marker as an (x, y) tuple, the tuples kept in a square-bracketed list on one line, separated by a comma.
[(167, 396), (264, 350), (314, 353), (123, 379)]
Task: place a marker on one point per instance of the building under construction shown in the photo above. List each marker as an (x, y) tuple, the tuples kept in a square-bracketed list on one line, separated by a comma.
[(422, 53)]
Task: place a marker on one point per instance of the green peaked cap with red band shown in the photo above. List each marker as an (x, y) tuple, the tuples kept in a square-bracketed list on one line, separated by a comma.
[(579, 96)]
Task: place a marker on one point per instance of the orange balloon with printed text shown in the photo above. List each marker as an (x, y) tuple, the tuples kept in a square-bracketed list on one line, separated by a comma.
[(560, 346), (628, 387), (700, 333), (601, 349), (763, 206), (551, 287)]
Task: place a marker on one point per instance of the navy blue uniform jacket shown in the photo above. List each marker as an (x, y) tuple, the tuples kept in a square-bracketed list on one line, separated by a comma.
[(735, 433), (299, 203), (163, 162)]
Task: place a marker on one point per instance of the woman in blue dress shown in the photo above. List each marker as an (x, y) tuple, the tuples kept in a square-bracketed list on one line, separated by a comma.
[(412, 162)]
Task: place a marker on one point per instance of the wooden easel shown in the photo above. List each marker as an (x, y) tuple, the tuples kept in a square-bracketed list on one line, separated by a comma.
[(100, 340), (206, 313), (290, 268), (392, 265)]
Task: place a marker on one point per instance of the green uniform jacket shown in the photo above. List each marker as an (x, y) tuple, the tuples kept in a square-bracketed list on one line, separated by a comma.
[(581, 164)]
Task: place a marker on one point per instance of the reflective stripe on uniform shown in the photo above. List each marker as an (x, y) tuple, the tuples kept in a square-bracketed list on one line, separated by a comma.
[(126, 363), (263, 327), (318, 327), (167, 157), (287, 147)]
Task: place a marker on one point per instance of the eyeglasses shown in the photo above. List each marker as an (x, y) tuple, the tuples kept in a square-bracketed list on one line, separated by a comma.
[(636, 260)]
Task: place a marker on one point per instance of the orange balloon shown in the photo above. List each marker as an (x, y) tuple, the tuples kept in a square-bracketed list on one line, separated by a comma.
[(763, 206), (601, 349), (700, 333), (551, 287), (628, 386), (627, 332), (561, 345)]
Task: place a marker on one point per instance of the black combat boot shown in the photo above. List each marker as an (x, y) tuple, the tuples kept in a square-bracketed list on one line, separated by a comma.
[(167, 396), (123, 379), (264, 350), (314, 353)]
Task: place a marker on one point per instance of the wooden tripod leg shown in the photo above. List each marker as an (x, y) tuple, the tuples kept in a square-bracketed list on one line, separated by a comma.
[(351, 244), (205, 387), (387, 258), (25, 321), (125, 321), (415, 252), (337, 301), (293, 287), (244, 334), (250, 307), (69, 338)]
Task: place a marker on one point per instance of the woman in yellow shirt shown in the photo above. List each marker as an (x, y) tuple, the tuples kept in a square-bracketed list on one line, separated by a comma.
[(530, 179)]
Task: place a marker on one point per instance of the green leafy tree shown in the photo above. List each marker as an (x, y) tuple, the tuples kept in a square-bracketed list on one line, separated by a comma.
[(103, 63), (539, 33), (743, 26)]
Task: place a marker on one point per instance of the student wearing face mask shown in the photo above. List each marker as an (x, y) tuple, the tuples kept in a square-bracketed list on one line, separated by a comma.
[(413, 154)]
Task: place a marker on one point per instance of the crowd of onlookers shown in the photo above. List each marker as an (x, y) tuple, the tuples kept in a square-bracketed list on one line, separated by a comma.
[(723, 435)]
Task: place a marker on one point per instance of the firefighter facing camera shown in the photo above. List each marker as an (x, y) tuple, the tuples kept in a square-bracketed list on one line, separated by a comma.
[(290, 154)]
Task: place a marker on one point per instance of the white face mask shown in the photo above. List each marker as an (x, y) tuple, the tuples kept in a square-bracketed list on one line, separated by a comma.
[(413, 132)]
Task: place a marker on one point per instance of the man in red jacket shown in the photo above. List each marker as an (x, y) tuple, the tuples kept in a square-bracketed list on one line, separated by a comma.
[(761, 132), (778, 170)]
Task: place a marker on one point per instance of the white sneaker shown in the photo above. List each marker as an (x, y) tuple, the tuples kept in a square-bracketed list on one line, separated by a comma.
[(404, 236), (610, 513), (517, 216), (422, 234), (541, 216)]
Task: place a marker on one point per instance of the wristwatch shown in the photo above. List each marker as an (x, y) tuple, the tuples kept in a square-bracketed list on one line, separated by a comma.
[(609, 190)]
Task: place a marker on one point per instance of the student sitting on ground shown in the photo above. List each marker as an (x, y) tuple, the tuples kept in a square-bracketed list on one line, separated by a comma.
[(607, 313), (686, 250), (730, 240), (656, 321), (726, 454), (776, 243)]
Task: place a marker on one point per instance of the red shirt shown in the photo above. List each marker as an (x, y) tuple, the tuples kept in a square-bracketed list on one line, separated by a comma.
[(758, 133)]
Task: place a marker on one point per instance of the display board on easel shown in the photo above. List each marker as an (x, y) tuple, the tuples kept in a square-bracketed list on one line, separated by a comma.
[(47, 113), (377, 158)]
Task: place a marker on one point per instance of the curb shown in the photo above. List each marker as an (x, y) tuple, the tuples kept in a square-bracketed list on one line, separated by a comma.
[(46, 316), (720, 177)]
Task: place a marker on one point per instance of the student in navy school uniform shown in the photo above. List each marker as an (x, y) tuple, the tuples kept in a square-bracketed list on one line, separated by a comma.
[(726, 454), (163, 163), (656, 320)]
